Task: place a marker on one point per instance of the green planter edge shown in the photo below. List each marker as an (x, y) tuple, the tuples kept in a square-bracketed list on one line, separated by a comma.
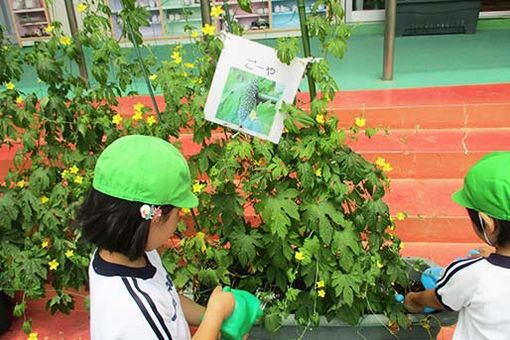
[(371, 327)]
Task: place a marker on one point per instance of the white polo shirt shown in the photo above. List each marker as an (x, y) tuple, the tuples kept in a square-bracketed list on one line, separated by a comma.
[(480, 290), (134, 303)]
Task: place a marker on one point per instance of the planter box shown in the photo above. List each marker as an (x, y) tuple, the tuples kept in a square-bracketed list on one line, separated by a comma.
[(372, 327), (417, 17)]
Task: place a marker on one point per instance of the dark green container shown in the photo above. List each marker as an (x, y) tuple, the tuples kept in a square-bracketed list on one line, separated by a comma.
[(371, 327), (419, 17)]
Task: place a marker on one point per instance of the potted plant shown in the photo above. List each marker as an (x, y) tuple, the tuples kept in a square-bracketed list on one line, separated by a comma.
[(302, 224)]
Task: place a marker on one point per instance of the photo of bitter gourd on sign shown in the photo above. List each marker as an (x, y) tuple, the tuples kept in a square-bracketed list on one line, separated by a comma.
[(250, 101)]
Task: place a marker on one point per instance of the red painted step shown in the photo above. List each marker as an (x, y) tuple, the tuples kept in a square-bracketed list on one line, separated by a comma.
[(435, 140)]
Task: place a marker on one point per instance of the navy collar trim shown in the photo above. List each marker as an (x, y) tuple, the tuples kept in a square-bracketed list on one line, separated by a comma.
[(105, 268), (499, 260)]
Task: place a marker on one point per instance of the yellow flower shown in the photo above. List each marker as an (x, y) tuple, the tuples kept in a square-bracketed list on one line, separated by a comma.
[(321, 293), (387, 167), (380, 162), (44, 199), (153, 77), (318, 172), (360, 122), (391, 227), (186, 211), (320, 119), (45, 244), (201, 240), (65, 173), (138, 107), (50, 28), (53, 264), (194, 34), (74, 170), (65, 40), (189, 65), (82, 8), (401, 216), (319, 284), (198, 187), (10, 86), (69, 253), (216, 11), (78, 180), (300, 256), (176, 56), (19, 100), (151, 120), (21, 184), (138, 115), (208, 29), (32, 336), (117, 119), (401, 246)]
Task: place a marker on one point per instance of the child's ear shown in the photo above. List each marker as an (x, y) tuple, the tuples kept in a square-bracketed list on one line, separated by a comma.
[(489, 223)]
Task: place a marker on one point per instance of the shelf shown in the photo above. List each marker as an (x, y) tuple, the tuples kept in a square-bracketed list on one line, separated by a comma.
[(28, 10), (180, 7), (151, 9), (34, 23), (240, 16), (284, 13), (183, 20), (35, 38), (235, 2)]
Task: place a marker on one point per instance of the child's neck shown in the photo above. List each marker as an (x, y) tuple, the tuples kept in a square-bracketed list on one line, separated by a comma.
[(505, 251), (118, 258)]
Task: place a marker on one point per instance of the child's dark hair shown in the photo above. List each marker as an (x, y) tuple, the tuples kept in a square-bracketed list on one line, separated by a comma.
[(503, 225), (115, 224)]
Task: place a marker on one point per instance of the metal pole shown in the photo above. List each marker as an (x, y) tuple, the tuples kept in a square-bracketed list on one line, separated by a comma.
[(205, 10), (144, 69), (306, 45), (71, 16), (389, 39)]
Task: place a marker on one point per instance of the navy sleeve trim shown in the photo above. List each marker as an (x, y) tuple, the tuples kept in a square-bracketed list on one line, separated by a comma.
[(143, 309), (440, 299), (154, 309)]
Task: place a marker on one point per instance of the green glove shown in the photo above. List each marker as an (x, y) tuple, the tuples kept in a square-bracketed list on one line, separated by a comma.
[(246, 311)]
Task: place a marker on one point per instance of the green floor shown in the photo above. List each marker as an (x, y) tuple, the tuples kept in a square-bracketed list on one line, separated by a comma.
[(420, 61)]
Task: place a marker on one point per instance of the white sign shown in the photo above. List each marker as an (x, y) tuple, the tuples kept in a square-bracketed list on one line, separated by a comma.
[(249, 86)]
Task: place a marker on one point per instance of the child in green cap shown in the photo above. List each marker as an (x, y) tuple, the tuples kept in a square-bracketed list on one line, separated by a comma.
[(479, 288), (140, 184)]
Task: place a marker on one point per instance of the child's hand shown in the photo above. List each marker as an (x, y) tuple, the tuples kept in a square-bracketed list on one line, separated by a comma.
[(221, 302), (483, 251), (411, 305)]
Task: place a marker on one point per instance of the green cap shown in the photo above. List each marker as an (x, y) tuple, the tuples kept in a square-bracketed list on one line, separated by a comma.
[(487, 186), (144, 169)]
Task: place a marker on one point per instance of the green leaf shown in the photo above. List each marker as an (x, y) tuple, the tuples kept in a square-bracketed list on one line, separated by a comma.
[(19, 309), (287, 49), (27, 326), (345, 286), (278, 210), (245, 5), (244, 246), (318, 216)]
